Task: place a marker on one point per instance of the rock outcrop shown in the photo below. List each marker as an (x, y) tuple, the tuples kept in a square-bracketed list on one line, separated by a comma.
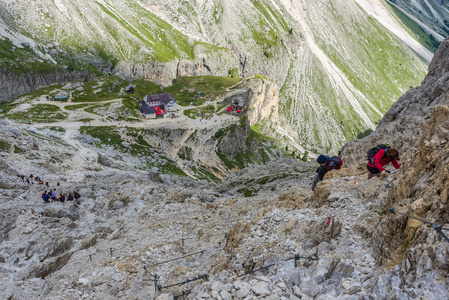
[(217, 63), (417, 124), (14, 84)]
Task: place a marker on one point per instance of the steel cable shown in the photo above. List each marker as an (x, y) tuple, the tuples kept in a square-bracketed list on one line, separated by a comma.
[(391, 209)]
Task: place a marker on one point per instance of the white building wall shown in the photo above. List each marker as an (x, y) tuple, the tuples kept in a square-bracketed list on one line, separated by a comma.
[(150, 116), (171, 106)]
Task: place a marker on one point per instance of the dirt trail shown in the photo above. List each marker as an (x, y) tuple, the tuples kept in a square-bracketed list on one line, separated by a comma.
[(73, 123), (174, 153)]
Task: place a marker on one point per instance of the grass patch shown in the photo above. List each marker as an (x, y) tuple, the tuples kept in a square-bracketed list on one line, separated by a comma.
[(39, 113), (4, 145), (365, 133), (110, 136), (56, 128), (125, 110), (143, 88), (76, 107), (107, 88), (5, 107), (91, 109), (203, 174), (263, 180), (204, 112), (106, 134), (260, 76), (196, 90), (130, 108), (185, 153), (18, 150), (234, 73), (166, 42), (86, 120), (104, 89), (248, 192)]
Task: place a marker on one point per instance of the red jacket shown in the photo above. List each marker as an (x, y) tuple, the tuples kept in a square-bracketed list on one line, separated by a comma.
[(380, 161)]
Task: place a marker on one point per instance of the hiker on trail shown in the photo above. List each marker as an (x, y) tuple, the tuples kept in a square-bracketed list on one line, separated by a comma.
[(326, 164), (61, 198), (49, 197), (47, 184), (70, 197), (28, 181), (57, 183), (45, 197), (380, 156), (76, 195), (53, 194)]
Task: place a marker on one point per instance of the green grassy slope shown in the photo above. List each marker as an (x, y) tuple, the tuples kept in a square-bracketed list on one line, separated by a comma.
[(422, 36), (433, 13), (379, 69)]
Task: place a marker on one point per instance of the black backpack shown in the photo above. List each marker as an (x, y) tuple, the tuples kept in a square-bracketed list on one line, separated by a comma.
[(373, 151), (337, 162)]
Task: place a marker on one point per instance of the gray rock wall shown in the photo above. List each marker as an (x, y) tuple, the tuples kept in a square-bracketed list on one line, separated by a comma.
[(14, 84), (216, 64)]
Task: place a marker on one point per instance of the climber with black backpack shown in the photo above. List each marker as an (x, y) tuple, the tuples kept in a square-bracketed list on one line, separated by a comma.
[(380, 156), (326, 164)]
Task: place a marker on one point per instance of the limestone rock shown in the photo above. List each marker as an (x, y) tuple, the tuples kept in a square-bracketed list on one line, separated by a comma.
[(310, 288), (261, 289)]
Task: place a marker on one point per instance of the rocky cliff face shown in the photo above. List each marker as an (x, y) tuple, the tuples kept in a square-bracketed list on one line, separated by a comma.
[(217, 64), (263, 104), (13, 84), (417, 124)]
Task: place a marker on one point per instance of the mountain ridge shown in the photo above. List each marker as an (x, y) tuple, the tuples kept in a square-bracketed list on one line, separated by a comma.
[(271, 38)]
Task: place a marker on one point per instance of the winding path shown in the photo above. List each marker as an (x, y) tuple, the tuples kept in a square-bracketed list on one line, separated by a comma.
[(73, 122)]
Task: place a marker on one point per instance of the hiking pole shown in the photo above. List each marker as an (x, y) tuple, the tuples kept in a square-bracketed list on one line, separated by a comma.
[(391, 172)]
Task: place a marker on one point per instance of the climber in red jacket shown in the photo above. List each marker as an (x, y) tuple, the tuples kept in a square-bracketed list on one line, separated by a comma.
[(383, 157)]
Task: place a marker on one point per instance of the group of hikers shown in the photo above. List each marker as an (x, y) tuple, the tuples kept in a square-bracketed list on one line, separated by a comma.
[(377, 157), (50, 196), (34, 179)]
